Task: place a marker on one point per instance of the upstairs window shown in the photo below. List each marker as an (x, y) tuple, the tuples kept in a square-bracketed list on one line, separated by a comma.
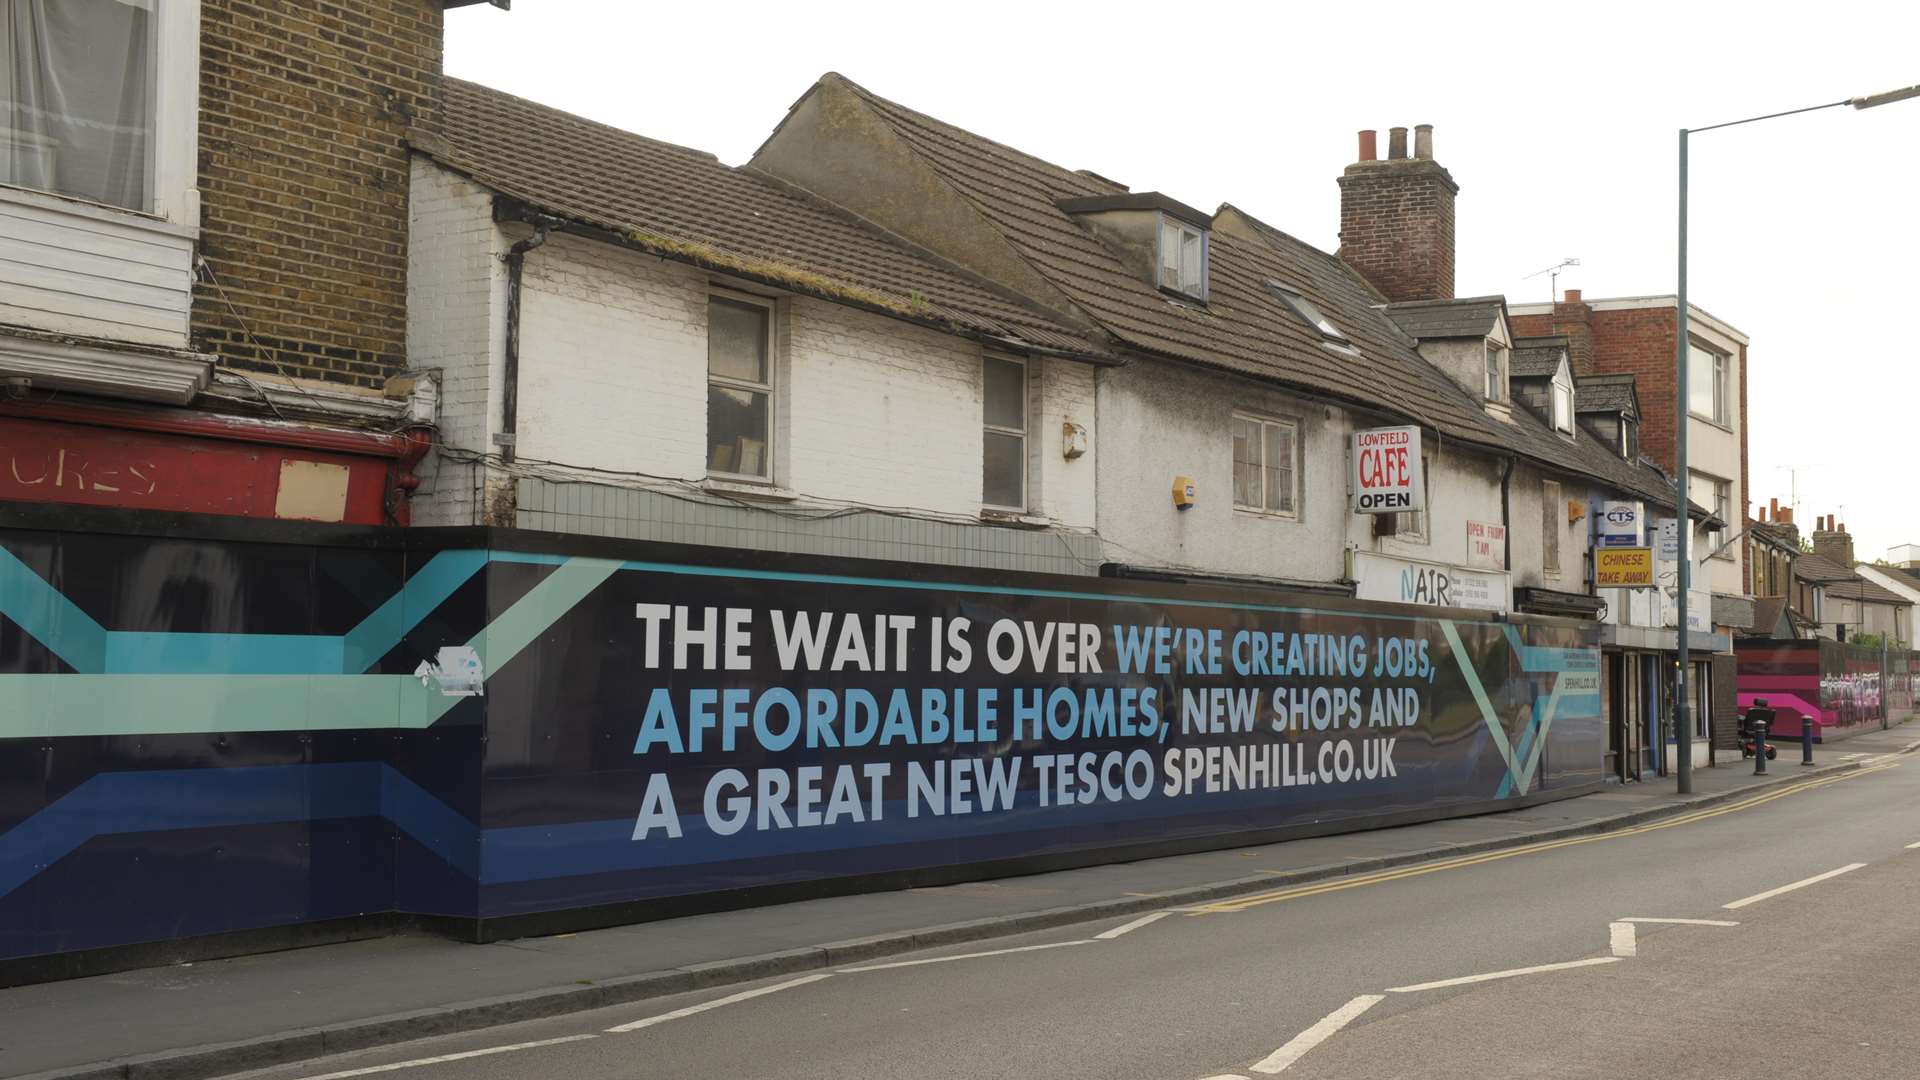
[(1003, 483), (1629, 441), (1716, 495), (739, 388), (1707, 385), (1183, 258), (1265, 477), (1562, 404), (1308, 313), (1496, 371), (77, 96)]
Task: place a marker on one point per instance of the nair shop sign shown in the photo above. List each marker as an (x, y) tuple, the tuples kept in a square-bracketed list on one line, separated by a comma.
[(1412, 581)]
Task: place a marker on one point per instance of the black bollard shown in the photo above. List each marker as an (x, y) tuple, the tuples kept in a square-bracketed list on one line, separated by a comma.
[(1806, 740), (1759, 746)]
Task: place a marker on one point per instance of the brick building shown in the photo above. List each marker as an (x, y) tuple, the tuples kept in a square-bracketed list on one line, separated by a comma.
[(202, 300)]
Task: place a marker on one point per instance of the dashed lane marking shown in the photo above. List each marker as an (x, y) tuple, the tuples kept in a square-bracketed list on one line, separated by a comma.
[(1801, 884), (1620, 938), (1328, 1026), (1396, 874), (1490, 976), (962, 956), (464, 1055), (1128, 928), (716, 1003)]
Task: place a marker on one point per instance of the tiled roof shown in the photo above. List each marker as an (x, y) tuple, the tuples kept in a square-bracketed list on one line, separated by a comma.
[(1537, 358), (685, 205), (1468, 317), (1861, 589), (1243, 327), (1820, 570), (1606, 393), (1911, 576)]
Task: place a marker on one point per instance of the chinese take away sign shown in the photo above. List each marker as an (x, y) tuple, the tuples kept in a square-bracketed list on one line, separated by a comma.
[(1623, 568)]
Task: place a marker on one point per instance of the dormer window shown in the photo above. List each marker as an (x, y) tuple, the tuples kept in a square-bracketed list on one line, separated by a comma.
[(1563, 402), (1496, 371), (1629, 442), (1183, 258), (1308, 313)]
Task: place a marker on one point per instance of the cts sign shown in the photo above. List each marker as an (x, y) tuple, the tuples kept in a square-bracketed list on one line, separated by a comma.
[(1619, 524), (1388, 476)]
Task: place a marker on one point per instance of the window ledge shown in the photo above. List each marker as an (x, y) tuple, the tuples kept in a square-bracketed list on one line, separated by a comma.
[(1723, 425), (1270, 515), (1014, 519), (93, 211), (748, 488)]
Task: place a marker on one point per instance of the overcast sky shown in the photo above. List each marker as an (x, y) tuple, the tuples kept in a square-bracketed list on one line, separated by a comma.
[(1558, 120)]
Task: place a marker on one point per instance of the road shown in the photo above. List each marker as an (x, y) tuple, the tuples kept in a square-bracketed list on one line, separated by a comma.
[(1328, 980)]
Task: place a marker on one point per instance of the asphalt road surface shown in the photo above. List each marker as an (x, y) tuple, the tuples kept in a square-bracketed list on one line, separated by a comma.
[(1332, 979)]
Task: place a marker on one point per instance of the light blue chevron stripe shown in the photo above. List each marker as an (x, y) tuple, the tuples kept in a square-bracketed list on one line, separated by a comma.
[(1487, 714), (54, 621)]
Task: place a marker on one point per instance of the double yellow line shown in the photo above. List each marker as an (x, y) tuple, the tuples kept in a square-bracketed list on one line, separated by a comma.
[(1378, 877)]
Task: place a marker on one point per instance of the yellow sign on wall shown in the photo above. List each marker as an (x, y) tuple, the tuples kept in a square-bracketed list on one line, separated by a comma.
[(1623, 568)]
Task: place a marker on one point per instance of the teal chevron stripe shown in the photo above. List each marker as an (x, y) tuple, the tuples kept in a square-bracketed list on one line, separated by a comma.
[(515, 628), (60, 705), (54, 621), (427, 589), (1487, 714), (1544, 658)]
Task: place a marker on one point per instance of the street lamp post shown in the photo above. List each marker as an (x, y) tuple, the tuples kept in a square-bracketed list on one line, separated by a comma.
[(1683, 722)]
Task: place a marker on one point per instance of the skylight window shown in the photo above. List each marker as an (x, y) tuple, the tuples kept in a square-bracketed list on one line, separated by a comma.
[(1308, 313)]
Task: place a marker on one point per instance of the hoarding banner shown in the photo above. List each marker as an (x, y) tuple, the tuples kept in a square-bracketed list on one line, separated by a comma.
[(1486, 545), (503, 732), (1623, 568), (1388, 474)]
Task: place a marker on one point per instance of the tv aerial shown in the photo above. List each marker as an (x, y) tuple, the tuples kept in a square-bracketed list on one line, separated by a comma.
[(1553, 285)]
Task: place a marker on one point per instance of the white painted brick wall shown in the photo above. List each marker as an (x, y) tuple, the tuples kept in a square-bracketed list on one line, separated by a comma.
[(872, 410), (456, 288)]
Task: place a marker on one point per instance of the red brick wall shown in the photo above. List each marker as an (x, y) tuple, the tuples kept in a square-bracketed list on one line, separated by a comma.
[(1638, 342), (303, 180)]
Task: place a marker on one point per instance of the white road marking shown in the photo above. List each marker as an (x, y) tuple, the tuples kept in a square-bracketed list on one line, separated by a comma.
[(1508, 974), (1109, 935), (717, 1002), (1330, 1024), (417, 1062), (1771, 893), (1621, 938), (962, 956), (1911, 846), (1850, 757), (1682, 922)]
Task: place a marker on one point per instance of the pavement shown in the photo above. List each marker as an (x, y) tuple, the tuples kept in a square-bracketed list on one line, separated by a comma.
[(358, 999)]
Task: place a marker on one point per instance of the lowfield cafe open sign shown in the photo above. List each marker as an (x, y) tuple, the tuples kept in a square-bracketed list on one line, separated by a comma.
[(1388, 476)]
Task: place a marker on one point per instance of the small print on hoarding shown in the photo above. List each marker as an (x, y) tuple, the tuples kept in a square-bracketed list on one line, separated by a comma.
[(1619, 524), (1486, 545), (1387, 471), (1623, 568)]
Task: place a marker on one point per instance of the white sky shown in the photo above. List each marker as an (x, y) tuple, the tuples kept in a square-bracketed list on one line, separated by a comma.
[(1558, 120)]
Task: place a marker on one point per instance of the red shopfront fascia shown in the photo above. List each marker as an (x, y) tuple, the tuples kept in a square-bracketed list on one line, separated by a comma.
[(203, 463)]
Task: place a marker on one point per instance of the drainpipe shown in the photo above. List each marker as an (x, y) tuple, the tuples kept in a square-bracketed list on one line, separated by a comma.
[(516, 258), (1506, 512)]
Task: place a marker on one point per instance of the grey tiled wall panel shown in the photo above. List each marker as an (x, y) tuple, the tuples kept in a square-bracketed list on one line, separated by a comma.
[(601, 510)]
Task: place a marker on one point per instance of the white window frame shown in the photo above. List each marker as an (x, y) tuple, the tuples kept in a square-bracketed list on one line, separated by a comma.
[(1562, 393), (1410, 526), (1295, 487), (1498, 369), (1553, 504), (771, 388), (1722, 413), (1021, 432), (1181, 229), (1722, 506)]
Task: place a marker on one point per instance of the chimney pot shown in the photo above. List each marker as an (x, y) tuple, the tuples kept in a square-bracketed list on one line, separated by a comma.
[(1396, 143), (1369, 145), (1423, 141), (1776, 509), (1573, 296)]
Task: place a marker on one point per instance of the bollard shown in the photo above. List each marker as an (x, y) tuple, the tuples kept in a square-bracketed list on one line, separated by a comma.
[(1806, 740), (1759, 746)]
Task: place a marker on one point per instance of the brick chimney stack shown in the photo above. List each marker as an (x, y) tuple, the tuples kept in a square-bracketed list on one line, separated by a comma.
[(1831, 542), (1396, 218), (1572, 317)]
